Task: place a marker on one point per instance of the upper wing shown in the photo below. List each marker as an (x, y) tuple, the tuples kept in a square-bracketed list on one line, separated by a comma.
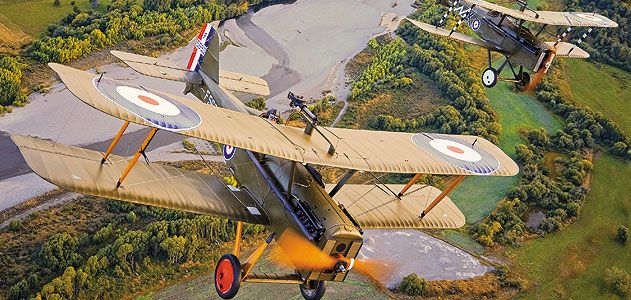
[(454, 35), (572, 19), (152, 184), (364, 150), (162, 68), (564, 49), (373, 207)]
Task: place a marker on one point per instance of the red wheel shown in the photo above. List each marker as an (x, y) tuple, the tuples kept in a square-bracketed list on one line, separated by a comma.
[(227, 276)]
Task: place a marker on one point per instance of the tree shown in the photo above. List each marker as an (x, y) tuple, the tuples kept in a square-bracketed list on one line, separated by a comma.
[(174, 247), (59, 251), (56, 3), (622, 234), (19, 290), (413, 285)]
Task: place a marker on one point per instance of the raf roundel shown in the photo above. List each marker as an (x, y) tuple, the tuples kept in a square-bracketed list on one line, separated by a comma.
[(228, 151), (475, 24), (154, 107), (457, 152)]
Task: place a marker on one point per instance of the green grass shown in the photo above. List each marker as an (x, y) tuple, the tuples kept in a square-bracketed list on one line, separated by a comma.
[(571, 263), (605, 89), (477, 196), (461, 240), (33, 17)]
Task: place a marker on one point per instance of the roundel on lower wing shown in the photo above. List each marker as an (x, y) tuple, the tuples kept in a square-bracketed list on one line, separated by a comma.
[(457, 152), (228, 151), (154, 107)]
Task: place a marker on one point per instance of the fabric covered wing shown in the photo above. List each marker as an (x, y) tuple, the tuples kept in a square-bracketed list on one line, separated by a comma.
[(558, 18), (454, 35), (364, 150), (162, 68), (564, 49), (152, 184), (374, 207)]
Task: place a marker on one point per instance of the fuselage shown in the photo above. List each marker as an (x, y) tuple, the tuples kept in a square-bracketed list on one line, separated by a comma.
[(516, 42), (309, 210)]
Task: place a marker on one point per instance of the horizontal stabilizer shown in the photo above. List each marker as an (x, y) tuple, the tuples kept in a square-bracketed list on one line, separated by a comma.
[(165, 69), (564, 49), (374, 207), (454, 35), (80, 170)]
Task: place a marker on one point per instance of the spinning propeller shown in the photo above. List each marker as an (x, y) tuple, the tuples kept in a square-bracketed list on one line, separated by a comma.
[(295, 251)]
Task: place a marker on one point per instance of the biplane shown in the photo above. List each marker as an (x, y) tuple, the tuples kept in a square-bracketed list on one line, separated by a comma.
[(279, 185), (504, 30)]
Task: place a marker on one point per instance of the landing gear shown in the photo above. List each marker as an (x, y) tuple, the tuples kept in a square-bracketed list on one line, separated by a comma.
[(228, 276), (489, 77), (313, 290), (523, 80)]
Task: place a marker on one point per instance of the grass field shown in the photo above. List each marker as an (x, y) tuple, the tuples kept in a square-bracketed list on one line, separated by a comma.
[(33, 17), (478, 196), (571, 263), (603, 88)]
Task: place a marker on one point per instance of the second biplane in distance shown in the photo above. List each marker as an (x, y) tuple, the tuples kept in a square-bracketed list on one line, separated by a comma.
[(318, 226), (503, 30)]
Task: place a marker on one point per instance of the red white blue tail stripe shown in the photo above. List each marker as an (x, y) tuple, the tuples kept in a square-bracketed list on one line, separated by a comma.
[(201, 44)]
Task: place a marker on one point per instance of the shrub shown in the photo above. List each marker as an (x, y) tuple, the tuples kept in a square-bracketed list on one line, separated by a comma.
[(257, 103), (413, 285), (622, 235), (618, 280)]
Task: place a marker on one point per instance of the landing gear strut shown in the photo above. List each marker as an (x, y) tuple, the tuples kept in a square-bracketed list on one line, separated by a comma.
[(490, 76), (523, 79)]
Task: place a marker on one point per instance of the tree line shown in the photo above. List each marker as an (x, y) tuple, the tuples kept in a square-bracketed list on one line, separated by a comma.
[(11, 92), (608, 45), (80, 33)]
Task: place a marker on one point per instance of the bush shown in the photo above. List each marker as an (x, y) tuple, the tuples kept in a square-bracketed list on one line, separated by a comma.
[(19, 290), (618, 280), (413, 285), (15, 225), (622, 235), (257, 103)]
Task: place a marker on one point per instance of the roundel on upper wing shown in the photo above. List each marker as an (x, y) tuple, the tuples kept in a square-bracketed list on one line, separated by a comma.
[(590, 17), (457, 152), (154, 107), (475, 24)]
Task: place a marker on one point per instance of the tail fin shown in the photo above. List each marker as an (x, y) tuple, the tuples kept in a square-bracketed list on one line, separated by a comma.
[(205, 54)]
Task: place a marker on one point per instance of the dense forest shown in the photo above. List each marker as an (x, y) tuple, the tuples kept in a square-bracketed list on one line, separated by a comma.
[(133, 247), (608, 45)]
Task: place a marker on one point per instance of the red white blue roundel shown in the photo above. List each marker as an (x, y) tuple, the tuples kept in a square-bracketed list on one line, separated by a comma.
[(475, 24), (154, 107), (457, 152), (228, 152)]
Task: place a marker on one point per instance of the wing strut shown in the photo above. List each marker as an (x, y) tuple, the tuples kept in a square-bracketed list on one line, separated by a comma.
[(410, 183), (114, 142), (134, 159), (442, 195)]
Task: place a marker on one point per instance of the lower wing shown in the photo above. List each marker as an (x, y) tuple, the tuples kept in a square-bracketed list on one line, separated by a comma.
[(374, 207), (80, 170)]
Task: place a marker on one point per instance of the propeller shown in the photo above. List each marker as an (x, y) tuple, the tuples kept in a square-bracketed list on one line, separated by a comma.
[(537, 77), (295, 251)]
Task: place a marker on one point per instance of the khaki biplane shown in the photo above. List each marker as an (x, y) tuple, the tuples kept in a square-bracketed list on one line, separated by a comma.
[(503, 30), (278, 185)]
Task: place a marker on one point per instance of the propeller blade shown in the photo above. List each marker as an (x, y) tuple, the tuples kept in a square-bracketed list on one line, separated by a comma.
[(295, 251)]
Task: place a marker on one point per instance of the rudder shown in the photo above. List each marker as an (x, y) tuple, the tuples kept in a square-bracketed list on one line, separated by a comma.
[(205, 55)]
